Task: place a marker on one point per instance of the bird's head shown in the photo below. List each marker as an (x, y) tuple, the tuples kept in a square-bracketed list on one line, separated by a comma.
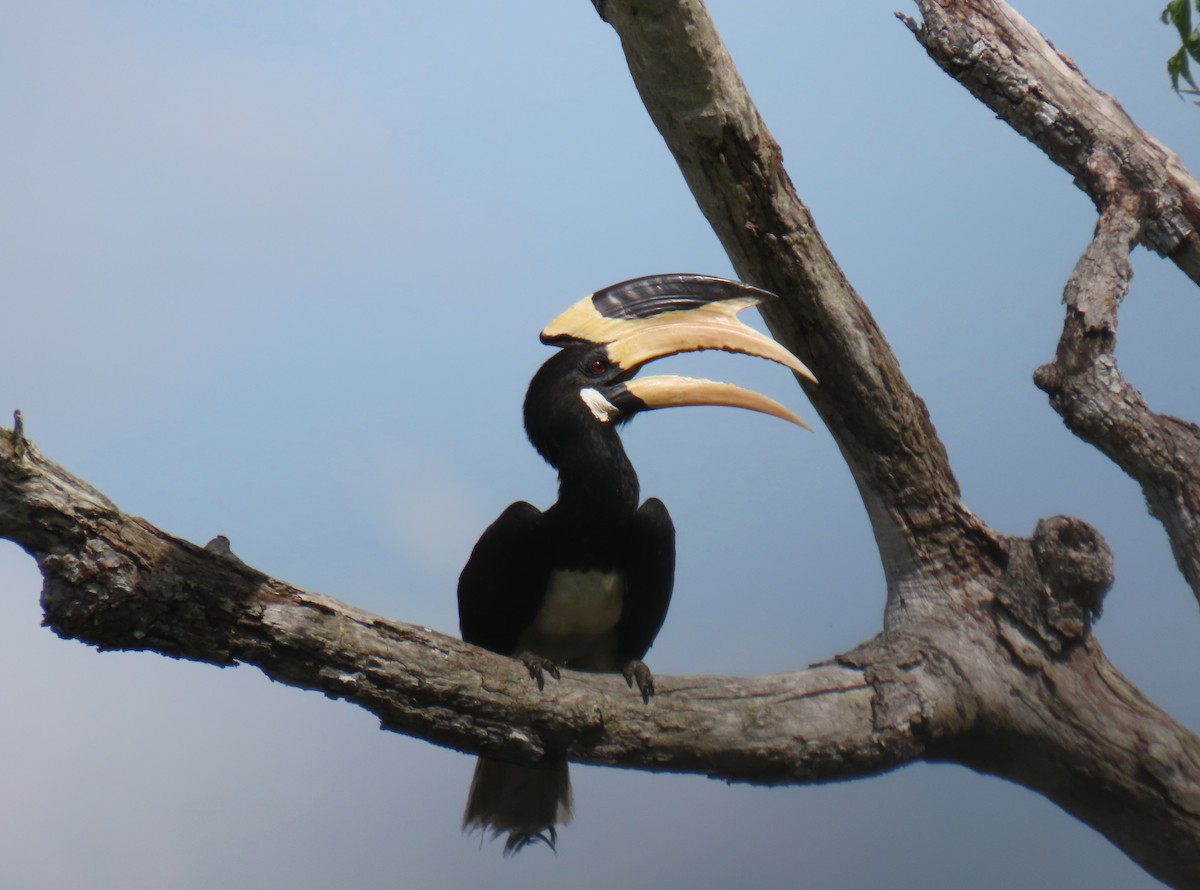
[(608, 336)]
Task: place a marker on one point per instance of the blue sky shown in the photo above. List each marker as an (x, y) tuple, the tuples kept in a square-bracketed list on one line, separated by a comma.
[(276, 271)]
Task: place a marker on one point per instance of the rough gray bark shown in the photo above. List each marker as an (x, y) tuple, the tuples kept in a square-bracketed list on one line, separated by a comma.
[(1144, 195), (986, 657), (1005, 63), (1093, 397), (117, 582), (945, 568)]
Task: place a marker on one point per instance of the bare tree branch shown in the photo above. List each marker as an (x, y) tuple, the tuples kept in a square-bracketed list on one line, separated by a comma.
[(1013, 685), (1144, 194), (1096, 402), (117, 582), (987, 47), (734, 168), (1002, 612), (987, 658)]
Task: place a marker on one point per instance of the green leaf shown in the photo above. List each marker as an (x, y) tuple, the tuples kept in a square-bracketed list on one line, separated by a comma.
[(1179, 14)]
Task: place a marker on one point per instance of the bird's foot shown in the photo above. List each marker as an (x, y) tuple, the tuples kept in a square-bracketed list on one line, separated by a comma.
[(519, 840), (636, 671), (538, 666)]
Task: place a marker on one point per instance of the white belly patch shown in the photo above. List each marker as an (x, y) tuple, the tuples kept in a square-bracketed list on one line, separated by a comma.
[(580, 604)]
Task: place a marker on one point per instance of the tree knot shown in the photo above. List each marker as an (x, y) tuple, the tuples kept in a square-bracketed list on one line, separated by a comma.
[(1055, 581)]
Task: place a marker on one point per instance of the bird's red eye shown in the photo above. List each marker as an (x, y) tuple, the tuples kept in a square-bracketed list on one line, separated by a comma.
[(598, 366)]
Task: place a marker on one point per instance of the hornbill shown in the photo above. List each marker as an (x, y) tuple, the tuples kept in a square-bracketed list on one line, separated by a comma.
[(586, 583)]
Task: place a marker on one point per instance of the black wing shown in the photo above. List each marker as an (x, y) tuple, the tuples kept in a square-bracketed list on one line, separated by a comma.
[(650, 575), (503, 583)]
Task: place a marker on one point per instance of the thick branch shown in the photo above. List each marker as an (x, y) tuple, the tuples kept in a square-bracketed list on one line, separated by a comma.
[(1144, 194), (735, 170), (1036, 700), (988, 660), (1096, 402), (117, 582), (987, 47), (980, 688), (1076, 730)]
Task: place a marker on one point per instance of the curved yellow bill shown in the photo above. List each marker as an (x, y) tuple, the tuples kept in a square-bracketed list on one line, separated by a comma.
[(643, 319), (667, 391), (633, 341), (656, 339)]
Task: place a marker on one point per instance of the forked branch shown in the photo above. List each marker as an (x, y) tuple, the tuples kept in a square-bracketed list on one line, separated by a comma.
[(987, 658), (734, 168), (1093, 397)]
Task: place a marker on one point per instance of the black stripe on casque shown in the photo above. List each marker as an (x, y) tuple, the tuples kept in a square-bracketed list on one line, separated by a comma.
[(656, 294)]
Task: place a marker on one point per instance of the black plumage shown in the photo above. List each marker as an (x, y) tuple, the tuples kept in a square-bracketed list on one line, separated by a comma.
[(586, 583)]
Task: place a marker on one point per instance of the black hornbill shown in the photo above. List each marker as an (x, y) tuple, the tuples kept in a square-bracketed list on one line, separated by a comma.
[(586, 583)]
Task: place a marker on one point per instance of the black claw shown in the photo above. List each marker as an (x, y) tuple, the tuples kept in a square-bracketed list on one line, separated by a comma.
[(538, 665), (636, 671), (518, 841)]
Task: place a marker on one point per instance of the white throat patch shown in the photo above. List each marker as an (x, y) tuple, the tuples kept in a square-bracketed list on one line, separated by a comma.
[(602, 409)]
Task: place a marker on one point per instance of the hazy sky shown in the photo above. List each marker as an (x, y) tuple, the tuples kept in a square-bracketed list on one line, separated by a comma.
[(275, 270)]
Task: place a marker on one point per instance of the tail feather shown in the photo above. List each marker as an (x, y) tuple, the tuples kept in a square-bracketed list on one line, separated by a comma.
[(525, 801)]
